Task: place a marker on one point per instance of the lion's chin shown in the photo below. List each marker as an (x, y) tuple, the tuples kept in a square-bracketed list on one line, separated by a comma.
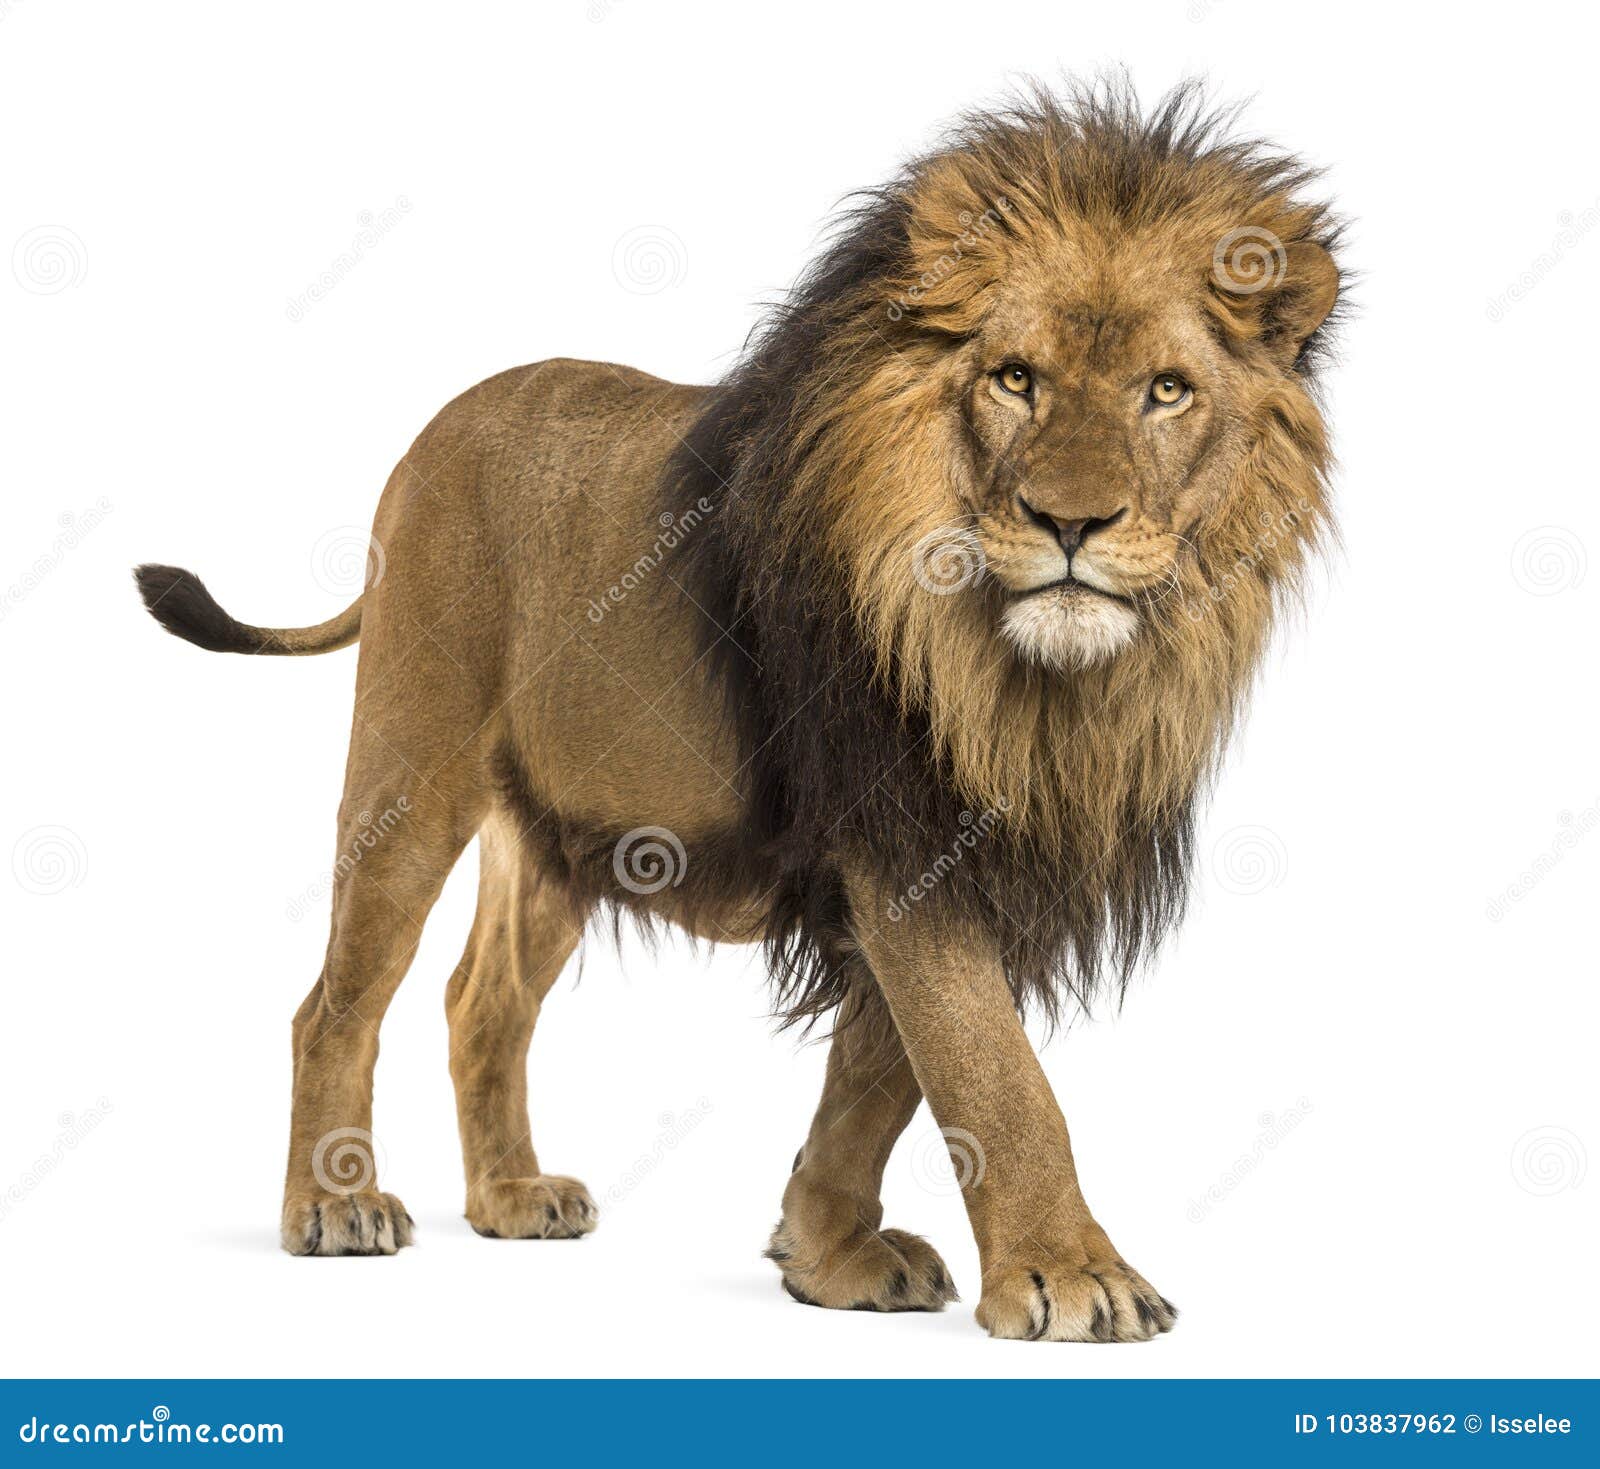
[(1069, 628)]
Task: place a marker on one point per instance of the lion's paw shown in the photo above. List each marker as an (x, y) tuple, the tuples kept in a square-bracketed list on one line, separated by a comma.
[(1103, 1300), (544, 1207), (869, 1270), (362, 1223)]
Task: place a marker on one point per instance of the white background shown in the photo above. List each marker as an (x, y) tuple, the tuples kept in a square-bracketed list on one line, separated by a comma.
[(1401, 1053)]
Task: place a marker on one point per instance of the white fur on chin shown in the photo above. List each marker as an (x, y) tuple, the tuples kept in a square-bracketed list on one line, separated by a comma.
[(1069, 628)]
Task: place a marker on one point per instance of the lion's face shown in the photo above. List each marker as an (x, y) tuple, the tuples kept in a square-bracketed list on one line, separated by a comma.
[(1105, 409)]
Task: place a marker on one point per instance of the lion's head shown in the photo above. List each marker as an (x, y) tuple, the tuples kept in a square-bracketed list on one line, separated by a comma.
[(1009, 491)]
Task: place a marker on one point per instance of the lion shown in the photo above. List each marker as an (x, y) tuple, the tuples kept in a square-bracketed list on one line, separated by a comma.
[(905, 651)]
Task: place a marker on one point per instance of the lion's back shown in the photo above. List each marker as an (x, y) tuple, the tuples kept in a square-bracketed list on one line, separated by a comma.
[(558, 461), (561, 425)]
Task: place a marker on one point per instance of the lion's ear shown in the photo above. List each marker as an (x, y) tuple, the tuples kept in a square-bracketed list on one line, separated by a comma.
[(1280, 296), (1302, 303)]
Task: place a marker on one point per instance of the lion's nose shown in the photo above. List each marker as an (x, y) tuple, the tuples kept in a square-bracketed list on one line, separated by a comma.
[(1070, 533)]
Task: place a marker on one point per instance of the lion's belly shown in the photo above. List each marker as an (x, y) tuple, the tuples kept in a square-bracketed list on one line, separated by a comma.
[(624, 733)]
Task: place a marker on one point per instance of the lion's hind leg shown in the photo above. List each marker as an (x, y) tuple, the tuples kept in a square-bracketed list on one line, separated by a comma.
[(332, 1203), (829, 1244), (525, 930)]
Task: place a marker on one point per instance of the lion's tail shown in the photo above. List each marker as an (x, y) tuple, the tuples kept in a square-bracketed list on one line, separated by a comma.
[(179, 601)]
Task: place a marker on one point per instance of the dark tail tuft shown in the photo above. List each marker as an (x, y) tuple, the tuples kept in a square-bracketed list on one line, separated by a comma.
[(179, 601)]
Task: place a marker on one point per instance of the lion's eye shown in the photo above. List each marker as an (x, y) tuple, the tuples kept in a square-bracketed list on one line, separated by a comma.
[(1168, 389), (1015, 378)]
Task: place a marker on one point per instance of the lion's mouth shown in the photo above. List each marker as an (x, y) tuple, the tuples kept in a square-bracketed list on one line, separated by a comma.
[(1068, 586)]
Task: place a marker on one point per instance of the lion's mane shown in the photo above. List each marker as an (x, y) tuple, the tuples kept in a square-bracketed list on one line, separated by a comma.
[(875, 719)]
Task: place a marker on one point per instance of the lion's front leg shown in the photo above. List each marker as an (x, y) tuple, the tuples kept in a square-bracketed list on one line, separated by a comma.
[(1049, 1271), (830, 1243)]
